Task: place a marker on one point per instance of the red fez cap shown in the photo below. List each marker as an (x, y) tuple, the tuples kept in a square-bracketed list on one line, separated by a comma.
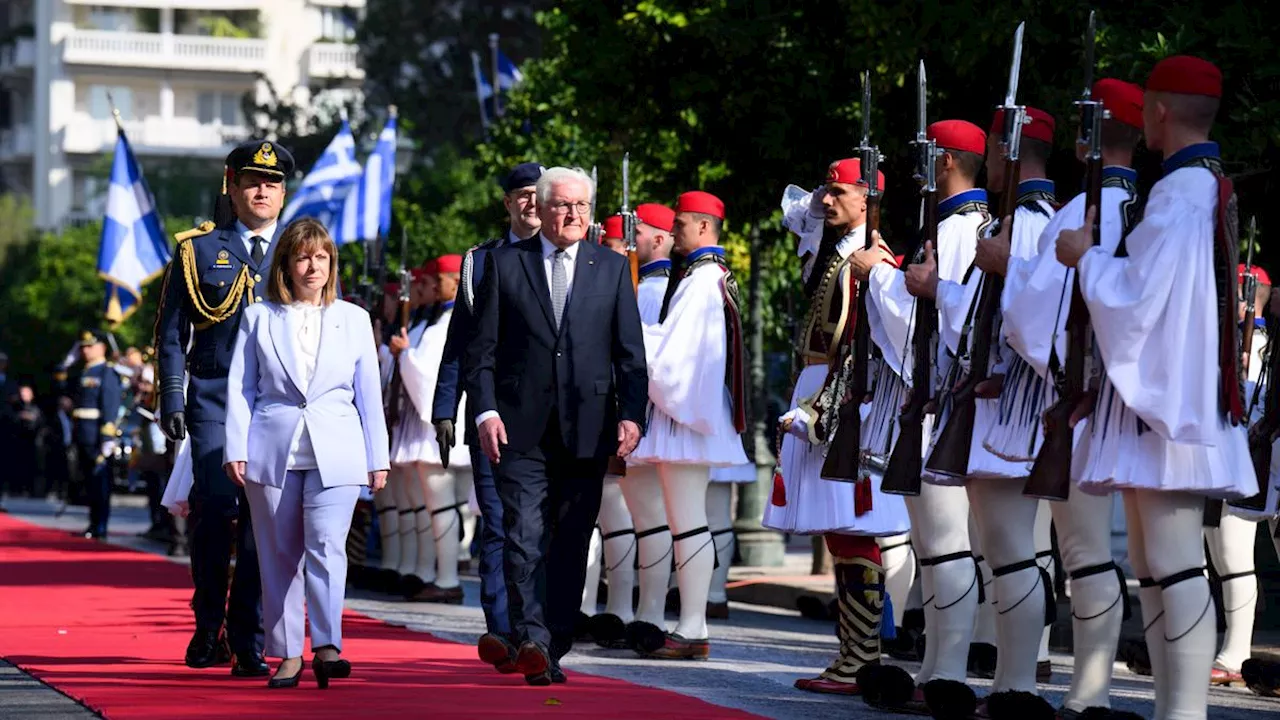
[(1040, 127), (612, 228), (849, 171), (655, 215), (696, 201), (428, 268), (1186, 75), (958, 135), (1122, 99), (391, 289), (448, 264), (1258, 272)]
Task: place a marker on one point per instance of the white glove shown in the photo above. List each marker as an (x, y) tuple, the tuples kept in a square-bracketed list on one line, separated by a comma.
[(799, 423), (108, 448)]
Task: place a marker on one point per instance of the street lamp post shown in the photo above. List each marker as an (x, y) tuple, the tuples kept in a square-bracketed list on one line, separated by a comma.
[(757, 545)]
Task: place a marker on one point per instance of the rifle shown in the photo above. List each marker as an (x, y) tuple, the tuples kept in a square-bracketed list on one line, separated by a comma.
[(1050, 477), (393, 396), (902, 474), (1249, 289), (844, 452), (595, 230), (629, 222), (950, 454), (1263, 432)]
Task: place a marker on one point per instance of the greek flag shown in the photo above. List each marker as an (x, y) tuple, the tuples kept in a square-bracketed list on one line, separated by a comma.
[(508, 74), (324, 190), (134, 250), (367, 213), (484, 90)]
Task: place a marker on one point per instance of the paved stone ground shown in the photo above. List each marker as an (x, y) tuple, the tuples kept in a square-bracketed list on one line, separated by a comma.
[(757, 654)]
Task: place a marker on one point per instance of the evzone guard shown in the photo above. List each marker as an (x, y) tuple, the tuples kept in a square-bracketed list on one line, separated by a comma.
[(1036, 302), (899, 303), (1163, 312), (641, 486), (697, 391), (420, 453), (802, 501)]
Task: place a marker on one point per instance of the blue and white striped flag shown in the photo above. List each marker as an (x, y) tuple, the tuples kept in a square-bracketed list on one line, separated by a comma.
[(324, 190), (134, 250), (508, 74), (484, 90), (367, 214)]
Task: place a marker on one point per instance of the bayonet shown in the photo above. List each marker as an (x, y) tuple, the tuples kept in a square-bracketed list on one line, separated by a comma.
[(594, 231), (629, 221), (626, 182), (1090, 37), (1252, 235), (868, 153)]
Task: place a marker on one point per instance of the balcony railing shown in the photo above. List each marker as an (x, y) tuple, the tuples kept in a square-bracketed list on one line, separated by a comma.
[(334, 60), (18, 55), (178, 4), (153, 136), (16, 142), (187, 52)]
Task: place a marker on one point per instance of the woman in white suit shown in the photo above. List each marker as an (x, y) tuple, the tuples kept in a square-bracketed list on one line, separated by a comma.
[(304, 394)]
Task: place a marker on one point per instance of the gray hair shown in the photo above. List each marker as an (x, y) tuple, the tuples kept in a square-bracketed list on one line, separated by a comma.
[(559, 176)]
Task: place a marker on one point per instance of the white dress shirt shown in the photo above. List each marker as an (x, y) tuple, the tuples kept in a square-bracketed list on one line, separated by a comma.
[(305, 322), (247, 235), (548, 252)]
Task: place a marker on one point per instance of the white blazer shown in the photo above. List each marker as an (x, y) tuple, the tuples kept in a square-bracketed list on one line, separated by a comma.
[(342, 407)]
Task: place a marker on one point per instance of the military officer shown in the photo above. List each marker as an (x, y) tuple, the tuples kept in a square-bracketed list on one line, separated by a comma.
[(521, 204), (217, 271), (94, 429)]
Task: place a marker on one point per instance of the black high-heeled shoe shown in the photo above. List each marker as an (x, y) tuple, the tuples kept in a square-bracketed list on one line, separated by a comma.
[(329, 669), (277, 683)]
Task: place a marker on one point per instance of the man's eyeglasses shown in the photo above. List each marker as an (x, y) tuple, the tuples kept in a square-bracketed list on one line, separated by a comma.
[(523, 197), (562, 208)]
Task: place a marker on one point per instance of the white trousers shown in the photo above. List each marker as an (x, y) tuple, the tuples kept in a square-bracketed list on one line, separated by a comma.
[(1231, 549), (642, 490), (301, 532), (948, 579), (619, 540), (684, 488)]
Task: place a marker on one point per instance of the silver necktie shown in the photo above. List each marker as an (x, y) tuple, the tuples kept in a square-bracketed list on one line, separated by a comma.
[(559, 285)]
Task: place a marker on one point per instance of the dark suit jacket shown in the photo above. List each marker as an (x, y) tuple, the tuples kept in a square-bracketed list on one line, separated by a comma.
[(591, 373)]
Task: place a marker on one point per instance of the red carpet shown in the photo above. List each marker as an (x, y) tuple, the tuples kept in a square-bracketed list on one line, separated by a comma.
[(108, 626)]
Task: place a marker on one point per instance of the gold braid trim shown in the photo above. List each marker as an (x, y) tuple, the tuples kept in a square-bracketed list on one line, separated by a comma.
[(228, 307)]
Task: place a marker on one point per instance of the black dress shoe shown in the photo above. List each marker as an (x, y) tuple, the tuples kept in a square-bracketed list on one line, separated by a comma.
[(250, 666), (557, 675), (329, 669), (207, 649), (541, 679), (276, 682), (497, 652), (531, 659)]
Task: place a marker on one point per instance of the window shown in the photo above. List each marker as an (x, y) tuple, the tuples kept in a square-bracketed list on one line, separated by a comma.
[(101, 97), (115, 19), (337, 25), (219, 107)]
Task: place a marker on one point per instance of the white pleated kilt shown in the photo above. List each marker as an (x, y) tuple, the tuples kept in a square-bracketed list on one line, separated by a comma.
[(982, 464), (414, 441), (1019, 429), (744, 473), (815, 506), (667, 441), (1120, 452)]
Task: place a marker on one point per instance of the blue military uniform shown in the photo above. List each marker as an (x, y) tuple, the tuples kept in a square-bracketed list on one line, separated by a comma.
[(93, 430), (214, 275), (493, 590)]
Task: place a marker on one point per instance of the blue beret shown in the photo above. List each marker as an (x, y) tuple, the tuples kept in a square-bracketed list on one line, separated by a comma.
[(522, 175), (263, 156)]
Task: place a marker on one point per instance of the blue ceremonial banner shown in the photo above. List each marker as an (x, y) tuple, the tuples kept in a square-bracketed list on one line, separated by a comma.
[(367, 214), (484, 89), (323, 192), (134, 250), (508, 74)]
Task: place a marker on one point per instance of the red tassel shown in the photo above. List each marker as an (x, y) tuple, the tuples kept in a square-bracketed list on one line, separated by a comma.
[(862, 496), (779, 490)]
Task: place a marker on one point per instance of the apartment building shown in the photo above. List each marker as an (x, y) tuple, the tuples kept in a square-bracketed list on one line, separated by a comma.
[(176, 70)]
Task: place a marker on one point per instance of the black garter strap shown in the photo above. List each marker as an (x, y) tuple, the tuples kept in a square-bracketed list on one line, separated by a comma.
[(694, 533), (1235, 576), (963, 555), (447, 508), (1050, 602), (389, 508), (1178, 577), (641, 534), (634, 545), (895, 546), (618, 533), (1092, 570)]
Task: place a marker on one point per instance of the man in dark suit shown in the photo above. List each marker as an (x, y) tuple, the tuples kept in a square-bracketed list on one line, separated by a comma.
[(558, 378), (519, 199), (216, 272)]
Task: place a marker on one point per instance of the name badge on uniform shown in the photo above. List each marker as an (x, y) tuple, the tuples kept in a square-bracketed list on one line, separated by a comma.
[(90, 382), (224, 258)]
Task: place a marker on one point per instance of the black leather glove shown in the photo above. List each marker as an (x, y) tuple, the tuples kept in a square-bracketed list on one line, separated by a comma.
[(444, 436), (174, 426)]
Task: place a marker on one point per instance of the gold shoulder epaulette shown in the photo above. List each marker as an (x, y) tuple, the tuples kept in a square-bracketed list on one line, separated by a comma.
[(203, 228)]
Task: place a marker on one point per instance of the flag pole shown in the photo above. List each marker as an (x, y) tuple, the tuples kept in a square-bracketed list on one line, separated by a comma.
[(497, 84)]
